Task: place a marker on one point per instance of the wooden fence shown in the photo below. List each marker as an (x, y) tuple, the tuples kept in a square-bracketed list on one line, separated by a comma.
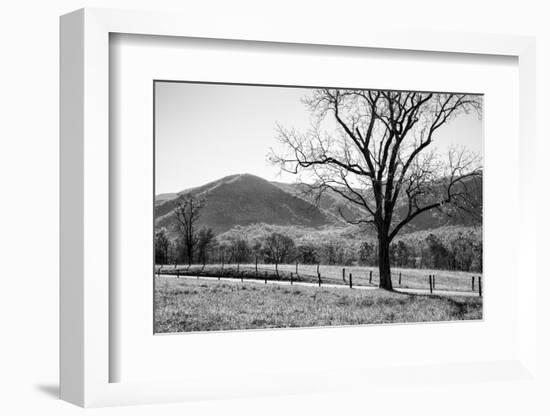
[(350, 276)]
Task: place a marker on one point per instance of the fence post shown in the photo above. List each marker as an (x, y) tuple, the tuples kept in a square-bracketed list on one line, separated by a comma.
[(344, 274), (430, 279), (291, 278), (256, 266), (317, 268), (319, 277), (242, 274), (399, 278), (473, 283), (296, 268), (433, 281), (265, 277), (479, 284), (178, 273), (350, 282), (370, 277)]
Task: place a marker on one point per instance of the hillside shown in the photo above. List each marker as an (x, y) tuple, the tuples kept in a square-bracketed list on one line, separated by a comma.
[(335, 205), (243, 200), (330, 202), (161, 198)]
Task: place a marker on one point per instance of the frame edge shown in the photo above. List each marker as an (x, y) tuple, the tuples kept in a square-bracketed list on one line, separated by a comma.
[(71, 202)]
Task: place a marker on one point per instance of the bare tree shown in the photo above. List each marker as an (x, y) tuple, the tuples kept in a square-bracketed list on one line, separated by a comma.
[(205, 243), (162, 247), (373, 148), (187, 214), (278, 248)]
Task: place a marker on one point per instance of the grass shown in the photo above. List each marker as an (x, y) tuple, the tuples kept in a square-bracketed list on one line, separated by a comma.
[(183, 305), (410, 278)]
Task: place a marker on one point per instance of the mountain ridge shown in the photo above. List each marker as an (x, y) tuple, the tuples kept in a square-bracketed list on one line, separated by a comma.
[(245, 199)]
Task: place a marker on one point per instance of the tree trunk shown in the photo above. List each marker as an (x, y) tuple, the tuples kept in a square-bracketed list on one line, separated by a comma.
[(189, 254), (384, 261)]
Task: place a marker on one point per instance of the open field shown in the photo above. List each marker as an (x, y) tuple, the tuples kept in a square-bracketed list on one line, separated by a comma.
[(197, 305), (410, 278)]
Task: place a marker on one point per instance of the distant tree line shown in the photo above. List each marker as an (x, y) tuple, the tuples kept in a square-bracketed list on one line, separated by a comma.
[(460, 251)]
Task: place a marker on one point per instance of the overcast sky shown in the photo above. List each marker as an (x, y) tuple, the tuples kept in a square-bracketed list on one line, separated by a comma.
[(206, 131)]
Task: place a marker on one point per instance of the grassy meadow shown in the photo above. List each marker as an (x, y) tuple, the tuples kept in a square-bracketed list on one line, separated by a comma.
[(183, 305), (410, 278)]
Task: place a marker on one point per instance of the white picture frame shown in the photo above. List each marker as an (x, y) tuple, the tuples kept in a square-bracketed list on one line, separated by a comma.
[(85, 354)]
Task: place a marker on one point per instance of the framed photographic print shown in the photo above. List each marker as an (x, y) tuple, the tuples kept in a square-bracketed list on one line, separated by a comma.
[(292, 204), (302, 205)]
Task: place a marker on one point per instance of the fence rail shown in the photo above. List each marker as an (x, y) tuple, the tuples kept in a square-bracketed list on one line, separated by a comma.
[(351, 276)]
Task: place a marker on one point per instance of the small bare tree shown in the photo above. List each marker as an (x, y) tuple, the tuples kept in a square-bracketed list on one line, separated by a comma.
[(187, 214), (373, 148), (205, 242), (162, 247), (278, 248)]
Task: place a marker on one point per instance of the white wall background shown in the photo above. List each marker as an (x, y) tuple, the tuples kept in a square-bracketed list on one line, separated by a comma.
[(29, 209)]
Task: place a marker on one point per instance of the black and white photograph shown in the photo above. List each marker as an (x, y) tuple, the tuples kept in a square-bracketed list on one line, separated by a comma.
[(286, 206), (275, 208)]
